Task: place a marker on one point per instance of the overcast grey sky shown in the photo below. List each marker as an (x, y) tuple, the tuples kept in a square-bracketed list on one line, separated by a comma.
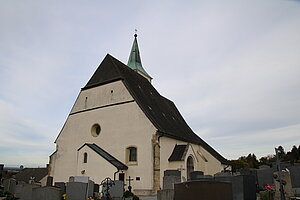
[(231, 67)]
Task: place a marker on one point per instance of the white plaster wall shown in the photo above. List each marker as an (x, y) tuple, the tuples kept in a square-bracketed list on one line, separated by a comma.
[(97, 168), (43, 181), (111, 93), (213, 165), (122, 125)]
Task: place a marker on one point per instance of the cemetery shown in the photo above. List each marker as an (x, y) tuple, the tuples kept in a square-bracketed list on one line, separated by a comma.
[(247, 184)]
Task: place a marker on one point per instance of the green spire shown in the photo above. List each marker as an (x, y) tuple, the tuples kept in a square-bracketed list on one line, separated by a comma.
[(134, 61)]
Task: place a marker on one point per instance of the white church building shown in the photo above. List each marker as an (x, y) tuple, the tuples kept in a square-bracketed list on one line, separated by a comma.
[(120, 126)]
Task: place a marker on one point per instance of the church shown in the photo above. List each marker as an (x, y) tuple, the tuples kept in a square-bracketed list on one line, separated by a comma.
[(121, 127)]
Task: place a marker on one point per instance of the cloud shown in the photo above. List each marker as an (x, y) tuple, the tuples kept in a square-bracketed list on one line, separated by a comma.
[(261, 143), (22, 137), (231, 67)]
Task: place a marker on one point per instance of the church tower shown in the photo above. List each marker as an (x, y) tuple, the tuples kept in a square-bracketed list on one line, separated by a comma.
[(135, 62)]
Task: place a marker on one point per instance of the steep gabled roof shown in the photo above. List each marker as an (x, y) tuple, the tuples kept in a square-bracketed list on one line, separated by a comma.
[(112, 160), (26, 174), (160, 111)]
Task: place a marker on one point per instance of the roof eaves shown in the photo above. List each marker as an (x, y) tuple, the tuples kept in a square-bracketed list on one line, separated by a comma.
[(115, 162)]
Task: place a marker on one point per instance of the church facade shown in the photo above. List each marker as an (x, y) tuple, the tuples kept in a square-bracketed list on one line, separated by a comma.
[(121, 127)]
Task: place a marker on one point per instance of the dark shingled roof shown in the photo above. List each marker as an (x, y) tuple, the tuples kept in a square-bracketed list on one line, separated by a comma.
[(161, 111), (115, 162), (37, 173), (178, 153)]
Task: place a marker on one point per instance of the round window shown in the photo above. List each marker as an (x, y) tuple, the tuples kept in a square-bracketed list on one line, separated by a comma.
[(96, 129)]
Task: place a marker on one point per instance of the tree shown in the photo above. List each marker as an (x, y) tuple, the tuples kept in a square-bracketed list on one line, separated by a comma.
[(267, 160), (281, 153), (252, 161), (293, 155), (238, 164)]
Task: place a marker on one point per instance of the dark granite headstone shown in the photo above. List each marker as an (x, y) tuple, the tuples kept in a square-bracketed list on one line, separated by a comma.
[(204, 190), (96, 188), (61, 186), (265, 177), (1, 170), (295, 176), (195, 175), (49, 181), (243, 186), (172, 173)]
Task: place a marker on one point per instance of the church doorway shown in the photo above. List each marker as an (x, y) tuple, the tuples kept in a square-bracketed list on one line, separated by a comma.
[(189, 166)]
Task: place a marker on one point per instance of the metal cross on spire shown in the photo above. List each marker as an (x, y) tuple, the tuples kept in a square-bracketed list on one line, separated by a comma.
[(135, 32)]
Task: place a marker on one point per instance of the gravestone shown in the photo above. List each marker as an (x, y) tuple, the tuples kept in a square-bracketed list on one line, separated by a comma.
[(79, 187), (90, 191), (196, 175), (170, 178), (82, 179), (286, 178), (1, 170), (223, 174), (172, 173), (265, 177), (199, 175), (24, 191), (117, 189), (167, 194), (76, 190), (243, 186), (49, 181), (295, 176), (46, 193), (96, 188), (61, 186), (203, 189), (9, 185)]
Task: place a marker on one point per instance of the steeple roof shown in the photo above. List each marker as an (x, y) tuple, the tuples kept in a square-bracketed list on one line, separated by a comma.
[(134, 61)]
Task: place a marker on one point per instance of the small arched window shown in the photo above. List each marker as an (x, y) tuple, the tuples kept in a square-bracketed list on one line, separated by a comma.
[(131, 154), (85, 157)]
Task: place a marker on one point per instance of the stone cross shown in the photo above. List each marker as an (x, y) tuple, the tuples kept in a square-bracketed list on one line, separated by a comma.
[(129, 181)]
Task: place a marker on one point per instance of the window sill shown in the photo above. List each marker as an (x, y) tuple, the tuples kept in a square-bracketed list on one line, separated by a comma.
[(132, 163)]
